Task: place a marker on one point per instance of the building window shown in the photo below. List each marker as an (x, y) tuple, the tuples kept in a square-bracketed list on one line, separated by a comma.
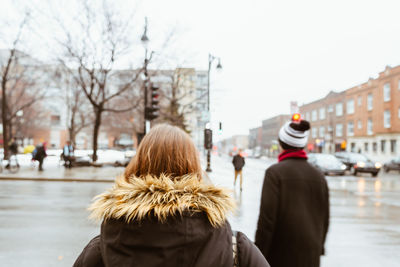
[(359, 100), (339, 130), (330, 108), (330, 128), (386, 92), (366, 147), (383, 146), (55, 120), (350, 106), (322, 113), (393, 146), (308, 116), (353, 147), (374, 147), (359, 124), (339, 109), (369, 102), (314, 132), (322, 132), (369, 127), (350, 128), (386, 119), (314, 115)]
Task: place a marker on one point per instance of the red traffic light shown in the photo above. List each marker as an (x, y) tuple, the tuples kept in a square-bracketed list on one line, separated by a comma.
[(296, 117)]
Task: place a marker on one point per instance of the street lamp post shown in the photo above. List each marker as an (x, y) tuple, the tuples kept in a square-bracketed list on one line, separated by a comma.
[(19, 136), (211, 58)]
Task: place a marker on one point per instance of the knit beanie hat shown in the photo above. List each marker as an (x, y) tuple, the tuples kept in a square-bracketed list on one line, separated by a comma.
[(295, 134)]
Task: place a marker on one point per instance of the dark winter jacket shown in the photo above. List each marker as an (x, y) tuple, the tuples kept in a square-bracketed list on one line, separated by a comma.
[(39, 153), (238, 162), (294, 214), (160, 222), (13, 148)]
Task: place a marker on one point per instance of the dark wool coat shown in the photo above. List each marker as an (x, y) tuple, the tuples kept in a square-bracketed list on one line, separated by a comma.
[(160, 222), (294, 214), (238, 162)]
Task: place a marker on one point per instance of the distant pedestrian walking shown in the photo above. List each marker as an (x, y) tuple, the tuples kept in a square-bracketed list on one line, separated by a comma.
[(40, 154), (13, 153), (294, 211), (68, 154), (162, 213), (238, 163)]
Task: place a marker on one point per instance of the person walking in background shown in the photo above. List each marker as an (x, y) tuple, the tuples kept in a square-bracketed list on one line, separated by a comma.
[(238, 163), (294, 211), (68, 154), (39, 154), (162, 213), (13, 152)]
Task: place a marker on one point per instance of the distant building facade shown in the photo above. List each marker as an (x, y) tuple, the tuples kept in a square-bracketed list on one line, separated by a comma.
[(255, 137), (374, 122), (232, 144), (270, 130), (328, 122), (364, 118)]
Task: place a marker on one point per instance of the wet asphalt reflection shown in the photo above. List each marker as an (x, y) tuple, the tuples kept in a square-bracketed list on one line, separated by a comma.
[(46, 224)]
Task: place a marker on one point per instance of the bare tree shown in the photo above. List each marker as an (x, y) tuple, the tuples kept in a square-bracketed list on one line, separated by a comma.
[(20, 79), (91, 57), (178, 97)]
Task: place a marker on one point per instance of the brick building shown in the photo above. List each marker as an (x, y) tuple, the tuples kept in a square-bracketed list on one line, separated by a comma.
[(364, 118), (328, 122), (376, 116)]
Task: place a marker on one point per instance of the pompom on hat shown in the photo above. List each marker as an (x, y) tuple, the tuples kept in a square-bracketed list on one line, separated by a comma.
[(295, 134)]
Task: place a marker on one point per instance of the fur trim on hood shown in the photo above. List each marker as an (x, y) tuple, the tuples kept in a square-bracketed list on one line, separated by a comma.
[(162, 197)]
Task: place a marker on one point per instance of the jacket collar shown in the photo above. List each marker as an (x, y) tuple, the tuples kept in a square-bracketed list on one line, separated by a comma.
[(162, 197)]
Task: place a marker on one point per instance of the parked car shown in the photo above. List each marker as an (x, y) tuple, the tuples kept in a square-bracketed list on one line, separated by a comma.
[(327, 163), (356, 162), (128, 155), (393, 164)]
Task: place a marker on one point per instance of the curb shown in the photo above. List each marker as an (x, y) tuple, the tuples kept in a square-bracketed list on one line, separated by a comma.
[(56, 179)]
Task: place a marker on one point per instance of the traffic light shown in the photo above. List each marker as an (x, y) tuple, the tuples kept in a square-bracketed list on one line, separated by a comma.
[(152, 112), (207, 138), (220, 128)]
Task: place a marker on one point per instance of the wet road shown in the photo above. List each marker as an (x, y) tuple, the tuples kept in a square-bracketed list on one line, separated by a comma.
[(45, 223)]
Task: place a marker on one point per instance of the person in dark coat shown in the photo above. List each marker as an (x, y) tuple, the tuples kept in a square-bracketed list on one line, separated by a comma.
[(162, 213), (238, 163), (13, 147), (39, 154), (294, 212)]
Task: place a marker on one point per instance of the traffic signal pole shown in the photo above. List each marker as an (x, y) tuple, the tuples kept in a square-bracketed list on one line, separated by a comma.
[(145, 94), (208, 145), (210, 60)]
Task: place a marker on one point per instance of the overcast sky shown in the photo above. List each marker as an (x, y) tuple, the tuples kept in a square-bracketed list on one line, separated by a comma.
[(274, 52)]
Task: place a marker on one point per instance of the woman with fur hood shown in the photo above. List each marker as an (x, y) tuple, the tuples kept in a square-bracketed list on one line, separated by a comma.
[(162, 213)]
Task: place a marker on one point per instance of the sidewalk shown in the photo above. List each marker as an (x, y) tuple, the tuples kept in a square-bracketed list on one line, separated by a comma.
[(53, 171), (56, 172)]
